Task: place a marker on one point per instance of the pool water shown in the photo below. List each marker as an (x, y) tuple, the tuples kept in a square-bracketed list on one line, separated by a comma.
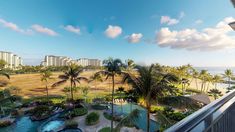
[(23, 124), (52, 125), (141, 121)]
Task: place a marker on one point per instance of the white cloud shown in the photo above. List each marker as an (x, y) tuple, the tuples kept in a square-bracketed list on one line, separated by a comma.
[(43, 30), (214, 38), (199, 21), (171, 21), (134, 38), (14, 27), (73, 29), (113, 31), (168, 20)]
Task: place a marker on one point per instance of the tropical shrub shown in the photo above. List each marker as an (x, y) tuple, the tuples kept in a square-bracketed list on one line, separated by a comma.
[(154, 109), (109, 117), (98, 107), (105, 129), (79, 112), (5, 123), (69, 124), (92, 118)]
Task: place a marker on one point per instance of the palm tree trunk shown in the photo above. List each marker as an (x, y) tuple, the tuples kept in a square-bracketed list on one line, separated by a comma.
[(47, 94), (112, 103), (71, 89), (196, 83), (229, 82)]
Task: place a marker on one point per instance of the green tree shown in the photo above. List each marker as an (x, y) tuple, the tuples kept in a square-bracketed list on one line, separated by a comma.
[(45, 77), (113, 67), (195, 76), (203, 77), (216, 79), (215, 93), (3, 63), (150, 84), (72, 74), (228, 74)]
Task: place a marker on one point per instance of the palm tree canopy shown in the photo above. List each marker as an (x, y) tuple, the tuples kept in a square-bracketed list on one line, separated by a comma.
[(228, 73), (72, 73), (151, 83), (112, 67), (96, 77)]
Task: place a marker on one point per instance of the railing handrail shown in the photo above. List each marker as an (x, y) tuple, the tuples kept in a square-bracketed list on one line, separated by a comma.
[(194, 119)]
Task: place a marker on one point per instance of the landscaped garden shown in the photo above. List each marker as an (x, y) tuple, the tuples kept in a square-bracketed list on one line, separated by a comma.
[(138, 98)]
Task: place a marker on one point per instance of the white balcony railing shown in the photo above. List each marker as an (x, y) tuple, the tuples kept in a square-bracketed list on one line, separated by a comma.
[(218, 116)]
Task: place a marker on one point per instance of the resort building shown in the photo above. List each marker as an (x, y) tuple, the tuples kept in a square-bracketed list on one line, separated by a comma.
[(51, 60), (89, 62), (13, 61)]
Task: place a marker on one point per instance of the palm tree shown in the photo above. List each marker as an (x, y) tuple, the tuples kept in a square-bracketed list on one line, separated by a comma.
[(195, 76), (150, 84), (72, 74), (203, 74), (216, 79), (215, 93), (113, 67), (45, 76), (228, 73), (209, 79)]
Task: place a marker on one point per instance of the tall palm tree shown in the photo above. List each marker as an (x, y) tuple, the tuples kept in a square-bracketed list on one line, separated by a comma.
[(150, 84), (45, 76), (195, 76), (72, 74), (209, 80), (216, 79), (203, 75), (113, 67), (228, 73)]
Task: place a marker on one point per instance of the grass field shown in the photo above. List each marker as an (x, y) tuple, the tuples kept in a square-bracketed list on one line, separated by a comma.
[(30, 85)]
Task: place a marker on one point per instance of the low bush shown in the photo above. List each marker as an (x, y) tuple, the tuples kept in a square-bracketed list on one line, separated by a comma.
[(105, 129), (69, 124), (5, 123), (156, 108), (109, 117), (79, 112), (99, 107), (92, 118)]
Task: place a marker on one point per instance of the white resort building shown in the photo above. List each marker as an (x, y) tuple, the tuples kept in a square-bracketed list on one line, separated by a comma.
[(51, 60), (13, 61)]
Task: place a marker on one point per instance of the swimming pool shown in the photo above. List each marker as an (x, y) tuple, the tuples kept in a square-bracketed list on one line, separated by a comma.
[(141, 121)]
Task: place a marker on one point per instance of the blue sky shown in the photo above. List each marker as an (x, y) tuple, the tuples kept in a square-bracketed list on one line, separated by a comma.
[(153, 31)]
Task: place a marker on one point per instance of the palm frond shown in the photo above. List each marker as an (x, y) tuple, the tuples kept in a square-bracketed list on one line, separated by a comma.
[(59, 83), (129, 120), (5, 74)]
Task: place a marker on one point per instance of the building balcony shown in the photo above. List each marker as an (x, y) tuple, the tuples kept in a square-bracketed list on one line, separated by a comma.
[(218, 116)]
